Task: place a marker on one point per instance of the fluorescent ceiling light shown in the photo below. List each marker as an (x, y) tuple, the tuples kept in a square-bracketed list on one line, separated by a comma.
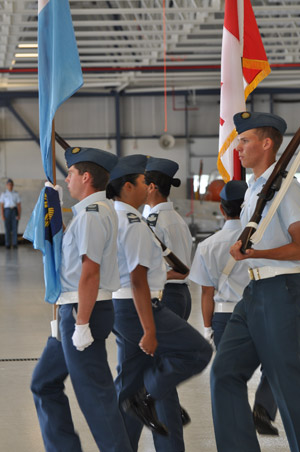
[(27, 46), (26, 55)]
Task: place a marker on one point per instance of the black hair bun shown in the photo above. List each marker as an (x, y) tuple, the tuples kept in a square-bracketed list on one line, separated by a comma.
[(176, 182)]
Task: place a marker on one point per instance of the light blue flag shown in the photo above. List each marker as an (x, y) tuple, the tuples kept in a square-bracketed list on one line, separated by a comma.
[(59, 68), (44, 230), (60, 76)]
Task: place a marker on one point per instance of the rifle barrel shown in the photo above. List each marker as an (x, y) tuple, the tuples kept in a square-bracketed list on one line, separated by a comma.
[(61, 141)]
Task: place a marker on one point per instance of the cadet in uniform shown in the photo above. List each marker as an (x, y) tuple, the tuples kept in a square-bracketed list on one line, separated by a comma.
[(172, 230), (210, 259), (11, 213), (220, 294), (265, 325), (157, 349), (89, 274)]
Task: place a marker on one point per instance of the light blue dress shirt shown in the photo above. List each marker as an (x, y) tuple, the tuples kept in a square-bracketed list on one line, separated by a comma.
[(10, 199), (211, 258), (137, 246), (92, 233), (173, 231), (276, 234)]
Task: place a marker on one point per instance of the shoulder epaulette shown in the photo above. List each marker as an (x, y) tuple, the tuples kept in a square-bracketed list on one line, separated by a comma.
[(133, 218), (152, 219), (92, 208)]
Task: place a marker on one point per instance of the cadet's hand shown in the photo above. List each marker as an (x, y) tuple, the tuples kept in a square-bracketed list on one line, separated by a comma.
[(57, 188), (82, 337), (209, 335), (148, 343), (235, 251)]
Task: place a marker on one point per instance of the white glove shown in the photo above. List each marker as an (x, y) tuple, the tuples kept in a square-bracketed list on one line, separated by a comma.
[(57, 188), (82, 337), (209, 335)]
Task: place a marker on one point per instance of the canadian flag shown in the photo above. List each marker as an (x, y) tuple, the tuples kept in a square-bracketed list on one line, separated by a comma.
[(244, 65)]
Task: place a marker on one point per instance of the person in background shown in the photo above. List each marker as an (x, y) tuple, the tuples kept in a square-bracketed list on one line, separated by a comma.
[(89, 274), (157, 349), (264, 327), (11, 213), (220, 294)]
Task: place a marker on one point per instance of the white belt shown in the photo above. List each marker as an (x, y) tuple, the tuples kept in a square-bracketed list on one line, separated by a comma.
[(224, 307), (126, 292), (270, 272), (72, 297)]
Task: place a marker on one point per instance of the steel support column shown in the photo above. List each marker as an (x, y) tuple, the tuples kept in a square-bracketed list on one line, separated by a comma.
[(32, 134), (118, 124)]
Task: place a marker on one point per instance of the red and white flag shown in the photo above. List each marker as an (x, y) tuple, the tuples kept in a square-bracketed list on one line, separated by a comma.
[(244, 65)]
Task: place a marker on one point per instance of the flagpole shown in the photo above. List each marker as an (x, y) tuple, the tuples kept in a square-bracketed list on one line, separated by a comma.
[(54, 183), (53, 152), (60, 76)]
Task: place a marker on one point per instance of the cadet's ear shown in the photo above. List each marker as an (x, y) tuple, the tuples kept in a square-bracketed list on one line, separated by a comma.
[(268, 143), (151, 187), (127, 186), (86, 176)]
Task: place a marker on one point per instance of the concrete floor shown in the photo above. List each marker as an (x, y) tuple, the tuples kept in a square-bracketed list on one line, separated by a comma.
[(24, 327)]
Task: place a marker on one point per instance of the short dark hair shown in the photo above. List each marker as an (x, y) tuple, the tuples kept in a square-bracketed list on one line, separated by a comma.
[(115, 186), (162, 181), (232, 208), (100, 176), (270, 132)]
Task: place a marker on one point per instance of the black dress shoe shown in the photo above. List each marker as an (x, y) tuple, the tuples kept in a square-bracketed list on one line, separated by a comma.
[(142, 406), (185, 417), (262, 422)]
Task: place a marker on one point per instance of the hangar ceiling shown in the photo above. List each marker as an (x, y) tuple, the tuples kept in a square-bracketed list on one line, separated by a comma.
[(121, 43)]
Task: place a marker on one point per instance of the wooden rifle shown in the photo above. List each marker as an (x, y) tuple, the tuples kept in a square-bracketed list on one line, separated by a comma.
[(271, 186), (174, 262)]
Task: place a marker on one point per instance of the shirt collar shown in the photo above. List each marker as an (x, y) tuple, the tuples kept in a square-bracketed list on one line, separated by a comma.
[(232, 224), (119, 205), (162, 206), (91, 199), (263, 177)]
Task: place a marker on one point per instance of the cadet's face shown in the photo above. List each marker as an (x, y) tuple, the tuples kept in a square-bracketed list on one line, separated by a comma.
[(74, 181), (9, 186), (250, 149), (141, 190)]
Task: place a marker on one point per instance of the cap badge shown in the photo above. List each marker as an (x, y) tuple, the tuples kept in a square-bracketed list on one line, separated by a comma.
[(245, 115), (75, 150)]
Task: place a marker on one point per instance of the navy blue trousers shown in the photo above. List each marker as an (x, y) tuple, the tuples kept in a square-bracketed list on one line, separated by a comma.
[(92, 382), (177, 298), (263, 396), (181, 353), (263, 329), (11, 226)]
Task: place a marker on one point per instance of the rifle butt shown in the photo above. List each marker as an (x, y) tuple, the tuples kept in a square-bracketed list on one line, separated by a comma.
[(176, 264)]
